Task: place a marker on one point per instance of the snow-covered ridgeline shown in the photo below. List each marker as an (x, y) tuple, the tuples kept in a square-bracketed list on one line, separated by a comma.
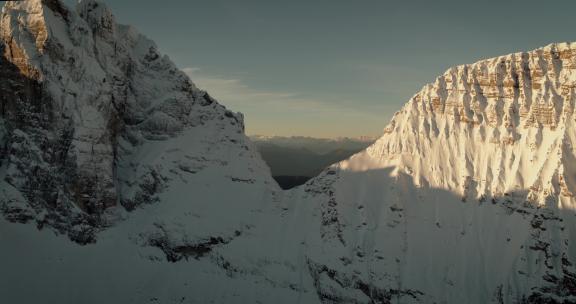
[(496, 126), (468, 195), (105, 121)]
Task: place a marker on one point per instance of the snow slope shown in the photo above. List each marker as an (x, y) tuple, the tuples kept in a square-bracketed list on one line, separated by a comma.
[(468, 196), (124, 183), (117, 164)]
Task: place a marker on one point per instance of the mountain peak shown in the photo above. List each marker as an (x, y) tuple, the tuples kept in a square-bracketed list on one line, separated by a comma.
[(92, 93), (503, 123)]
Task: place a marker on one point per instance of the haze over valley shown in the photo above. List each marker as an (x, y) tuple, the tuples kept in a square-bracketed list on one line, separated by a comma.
[(295, 160)]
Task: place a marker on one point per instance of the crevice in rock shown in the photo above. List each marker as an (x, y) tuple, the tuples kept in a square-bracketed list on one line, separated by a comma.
[(351, 282), (178, 251)]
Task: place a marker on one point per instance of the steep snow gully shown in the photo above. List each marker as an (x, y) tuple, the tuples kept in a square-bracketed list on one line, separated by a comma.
[(122, 182)]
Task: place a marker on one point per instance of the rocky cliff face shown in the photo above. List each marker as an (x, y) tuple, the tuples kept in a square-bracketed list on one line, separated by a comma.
[(502, 124), (82, 99), (466, 198)]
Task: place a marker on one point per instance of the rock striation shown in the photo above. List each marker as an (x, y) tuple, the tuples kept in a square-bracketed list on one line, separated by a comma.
[(468, 197)]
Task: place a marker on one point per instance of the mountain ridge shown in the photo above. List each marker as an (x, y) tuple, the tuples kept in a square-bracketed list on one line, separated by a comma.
[(498, 134), (99, 100)]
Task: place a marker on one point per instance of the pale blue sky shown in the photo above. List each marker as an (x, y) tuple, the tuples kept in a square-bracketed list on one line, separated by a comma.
[(335, 68)]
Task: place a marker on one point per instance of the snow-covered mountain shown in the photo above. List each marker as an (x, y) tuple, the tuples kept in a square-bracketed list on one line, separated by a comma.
[(116, 164), (121, 182), (468, 197)]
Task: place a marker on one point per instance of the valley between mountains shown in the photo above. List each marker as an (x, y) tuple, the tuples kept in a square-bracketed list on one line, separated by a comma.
[(123, 182)]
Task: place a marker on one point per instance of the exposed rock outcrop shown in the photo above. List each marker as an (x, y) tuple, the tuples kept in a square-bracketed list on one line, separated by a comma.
[(81, 98)]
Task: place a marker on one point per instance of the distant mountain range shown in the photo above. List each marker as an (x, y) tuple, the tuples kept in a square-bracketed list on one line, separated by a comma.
[(294, 160), (316, 145)]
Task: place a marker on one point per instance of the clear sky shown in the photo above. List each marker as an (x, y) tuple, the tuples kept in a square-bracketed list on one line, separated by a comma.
[(333, 68)]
